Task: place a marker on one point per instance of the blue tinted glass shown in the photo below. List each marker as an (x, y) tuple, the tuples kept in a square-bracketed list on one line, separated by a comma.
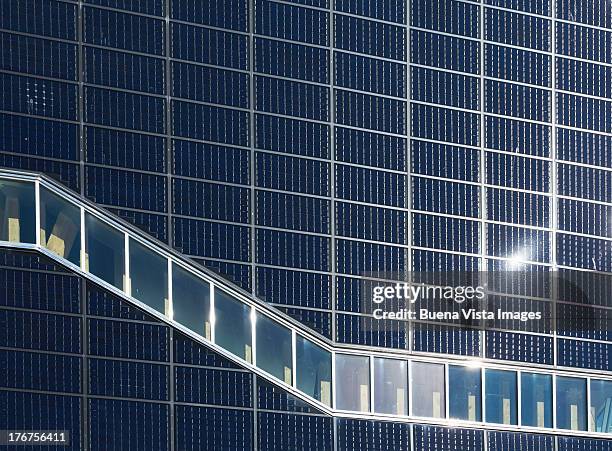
[(274, 348), (536, 400), (60, 226), (149, 277), (352, 382), (601, 406), (313, 370), (571, 403), (233, 325), (17, 212), (391, 386), (104, 251), (190, 301), (500, 397), (465, 393)]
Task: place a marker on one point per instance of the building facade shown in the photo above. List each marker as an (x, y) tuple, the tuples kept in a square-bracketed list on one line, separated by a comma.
[(298, 148)]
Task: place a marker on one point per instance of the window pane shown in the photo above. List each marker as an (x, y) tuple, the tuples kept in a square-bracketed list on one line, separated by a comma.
[(104, 251), (601, 406), (190, 301), (536, 400), (233, 325), (313, 372), (274, 348), (391, 386), (428, 392), (500, 397), (352, 383), (149, 277), (465, 395), (60, 226), (17, 212), (571, 403)]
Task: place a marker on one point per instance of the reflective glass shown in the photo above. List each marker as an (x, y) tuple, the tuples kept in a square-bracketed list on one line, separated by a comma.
[(60, 226), (233, 325), (190, 301), (601, 406), (274, 348), (149, 277), (17, 212), (428, 391), (536, 400), (500, 397), (352, 383), (465, 393), (571, 403), (391, 386), (313, 372), (104, 251)]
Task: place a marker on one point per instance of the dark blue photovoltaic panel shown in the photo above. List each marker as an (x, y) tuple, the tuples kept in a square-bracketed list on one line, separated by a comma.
[(368, 111), (372, 186), (508, 241), (370, 149), (359, 258), (440, 232), (517, 29), (209, 46), (128, 340), (271, 397), (439, 196), (123, 70), (584, 182), (445, 52), (583, 444), (35, 56), (230, 14), (585, 217), (584, 112), (584, 322), (365, 330), (206, 84), (38, 97), (234, 272), (446, 340), (389, 10), (447, 16), (517, 172), (128, 379), (574, 40), (517, 137), (301, 289), (372, 38), (584, 78), (433, 86), (509, 441), (210, 200), (293, 136), (200, 428), (365, 434), (517, 65), (37, 411), (591, 12), (209, 386), (291, 98), (369, 74), (152, 7), (40, 291), (209, 161), (371, 223), (209, 123), (36, 371), (43, 17), (125, 149), (155, 225), (281, 431), (188, 352), (541, 7), (40, 331), (518, 101), (126, 188), (288, 211), (123, 31), (443, 160), (433, 438), (279, 20), (519, 347), (68, 174), (41, 137), (318, 321), (443, 124), (292, 250), (518, 207), (211, 239), (584, 354), (286, 59), (102, 303), (115, 424), (292, 174)]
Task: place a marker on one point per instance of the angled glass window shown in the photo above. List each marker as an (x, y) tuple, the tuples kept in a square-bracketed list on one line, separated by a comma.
[(191, 301), (104, 251), (464, 393), (352, 382), (233, 325), (313, 372), (536, 400), (274, 353), (428, 391), (60, 226), (17, 212), (391, 386), (571, 403), (149, 277), (601, 406), (500, 397)]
